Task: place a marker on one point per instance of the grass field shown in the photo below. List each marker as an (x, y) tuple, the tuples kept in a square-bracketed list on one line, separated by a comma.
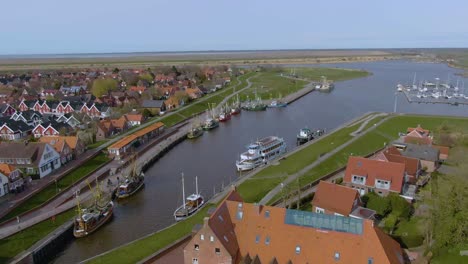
[(137, 251), (15, 244), (332, 74), (270, 84), (50, 191)]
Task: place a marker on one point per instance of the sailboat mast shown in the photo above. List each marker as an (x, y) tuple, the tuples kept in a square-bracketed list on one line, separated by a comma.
[(196, 184), (183, 190), (414, 79)]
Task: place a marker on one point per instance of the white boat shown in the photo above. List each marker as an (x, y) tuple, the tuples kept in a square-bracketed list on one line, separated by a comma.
[(261, 152), (190, 204), (400, 88)]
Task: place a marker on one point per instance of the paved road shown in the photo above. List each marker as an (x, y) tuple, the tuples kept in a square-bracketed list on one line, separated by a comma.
[(293, 177), (249, 84)]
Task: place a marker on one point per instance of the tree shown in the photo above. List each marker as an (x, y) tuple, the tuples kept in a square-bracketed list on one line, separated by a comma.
[(380, 204), (116, 70), (147, 113), (400, 207), (103, 86)]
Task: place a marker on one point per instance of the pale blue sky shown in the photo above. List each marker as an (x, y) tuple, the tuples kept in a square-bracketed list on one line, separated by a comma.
[(88, 26)]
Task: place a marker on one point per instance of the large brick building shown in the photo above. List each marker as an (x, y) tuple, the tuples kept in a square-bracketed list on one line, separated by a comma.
[(239, 232)]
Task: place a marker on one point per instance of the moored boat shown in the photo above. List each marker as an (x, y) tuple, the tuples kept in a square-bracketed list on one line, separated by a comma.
[(91, 218), (210, 123), (131, 184), (304, 136), (195, 132), (191, 204), (224, 117), (261, 152), (276, 104)]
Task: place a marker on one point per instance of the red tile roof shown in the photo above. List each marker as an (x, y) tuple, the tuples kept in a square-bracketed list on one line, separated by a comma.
[(336, 198), (376, 169), (412, 165)]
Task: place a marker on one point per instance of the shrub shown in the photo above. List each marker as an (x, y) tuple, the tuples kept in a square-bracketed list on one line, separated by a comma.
[(380, 204), (390, 222), (399, 206)]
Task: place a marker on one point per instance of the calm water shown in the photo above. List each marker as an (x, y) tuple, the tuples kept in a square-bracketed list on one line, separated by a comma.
[(212, 156)]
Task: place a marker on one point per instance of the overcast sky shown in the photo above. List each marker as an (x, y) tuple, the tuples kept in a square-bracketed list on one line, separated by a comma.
[(95, 26)]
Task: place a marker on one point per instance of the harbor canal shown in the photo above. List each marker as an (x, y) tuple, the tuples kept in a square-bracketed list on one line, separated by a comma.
[(212, 157)]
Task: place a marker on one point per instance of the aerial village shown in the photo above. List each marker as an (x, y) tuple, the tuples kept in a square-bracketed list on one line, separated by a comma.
[(50, 121)]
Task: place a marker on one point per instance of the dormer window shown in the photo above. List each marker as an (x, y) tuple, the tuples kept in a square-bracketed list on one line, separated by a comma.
[(370, 260), (257, 239), (337, 256), (359, 179), (298, 250), (267, 240), (211, 238), (267, 214), (202, 237), (197, 247)]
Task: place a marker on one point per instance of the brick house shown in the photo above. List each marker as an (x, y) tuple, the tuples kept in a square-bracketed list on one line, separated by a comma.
[(413, 166), (14, 130), (11, 179), (6, 110), (239, 232), (381, 177)]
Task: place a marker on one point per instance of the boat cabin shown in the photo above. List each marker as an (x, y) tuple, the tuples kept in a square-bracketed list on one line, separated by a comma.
[(194, 200)]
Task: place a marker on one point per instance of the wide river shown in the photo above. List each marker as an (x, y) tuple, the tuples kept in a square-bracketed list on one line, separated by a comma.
[(212, 157)]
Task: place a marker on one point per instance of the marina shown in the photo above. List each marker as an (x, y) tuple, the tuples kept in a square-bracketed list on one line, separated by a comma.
[(324, 110)]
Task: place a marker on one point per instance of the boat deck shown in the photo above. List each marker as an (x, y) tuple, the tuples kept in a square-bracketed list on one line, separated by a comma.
[(267, 140)]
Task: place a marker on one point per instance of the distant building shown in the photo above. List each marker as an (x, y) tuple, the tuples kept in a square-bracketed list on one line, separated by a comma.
[(239, 232), (154, 106), (10, 179), (428, 155)]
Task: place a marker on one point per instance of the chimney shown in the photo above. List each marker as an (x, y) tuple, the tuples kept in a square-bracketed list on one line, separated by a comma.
[(205, 221), (258, 208)]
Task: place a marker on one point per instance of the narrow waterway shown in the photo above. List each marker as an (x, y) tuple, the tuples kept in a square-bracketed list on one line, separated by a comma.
[(212, 157)]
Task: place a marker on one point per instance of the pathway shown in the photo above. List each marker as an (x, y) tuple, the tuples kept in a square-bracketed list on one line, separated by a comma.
[(293, 177), (223, 102)]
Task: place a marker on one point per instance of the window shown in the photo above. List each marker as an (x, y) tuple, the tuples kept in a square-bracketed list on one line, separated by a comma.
[(319, 210), (337, 256), (212, 238), (267, 214), (239, 215), (202, 237), (220, 218), (298, 249), (239, 206), (370, 260), (197, 247), (257, 239), (267, 240), (195, 261), (217, 251)]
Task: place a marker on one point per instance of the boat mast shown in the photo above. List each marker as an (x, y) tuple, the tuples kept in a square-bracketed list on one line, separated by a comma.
[(414, 79), (183, 190), (196, 184)]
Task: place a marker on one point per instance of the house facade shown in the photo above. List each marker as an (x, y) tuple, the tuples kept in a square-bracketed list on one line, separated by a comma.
[(14, 130), (11, 179), (35, 159)]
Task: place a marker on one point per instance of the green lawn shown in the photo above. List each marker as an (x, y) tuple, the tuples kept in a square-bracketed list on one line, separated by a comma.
[(451, 256), (50, 191), (137, 251), (333, 74), (15, 244), (270, 84), (97, 144), (409, 232)]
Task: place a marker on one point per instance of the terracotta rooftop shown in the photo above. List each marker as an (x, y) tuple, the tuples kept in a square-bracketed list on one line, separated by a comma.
[(273, 233), (128, 139), (6, 169), (71, 140), (419, 129), (412, 165), (374, 170), (335, 198)]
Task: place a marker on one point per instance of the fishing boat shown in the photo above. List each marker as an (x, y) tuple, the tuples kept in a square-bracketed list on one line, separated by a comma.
[(276, 104), (261, 152), (256, 105), (224, 117), (236, 107), (131, 184), (195, 132), (89, 219), (304, 136), (191, 204), (210, 123)]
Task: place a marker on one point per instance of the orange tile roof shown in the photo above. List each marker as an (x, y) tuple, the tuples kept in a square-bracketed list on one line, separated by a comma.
[(72, 141), (335, 198), (417, 140), (119, 123), (134, 117), (412, 165), (376, 169), (239, 237), (56, 142), (128, 139), (6, 169), (419, 129)]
